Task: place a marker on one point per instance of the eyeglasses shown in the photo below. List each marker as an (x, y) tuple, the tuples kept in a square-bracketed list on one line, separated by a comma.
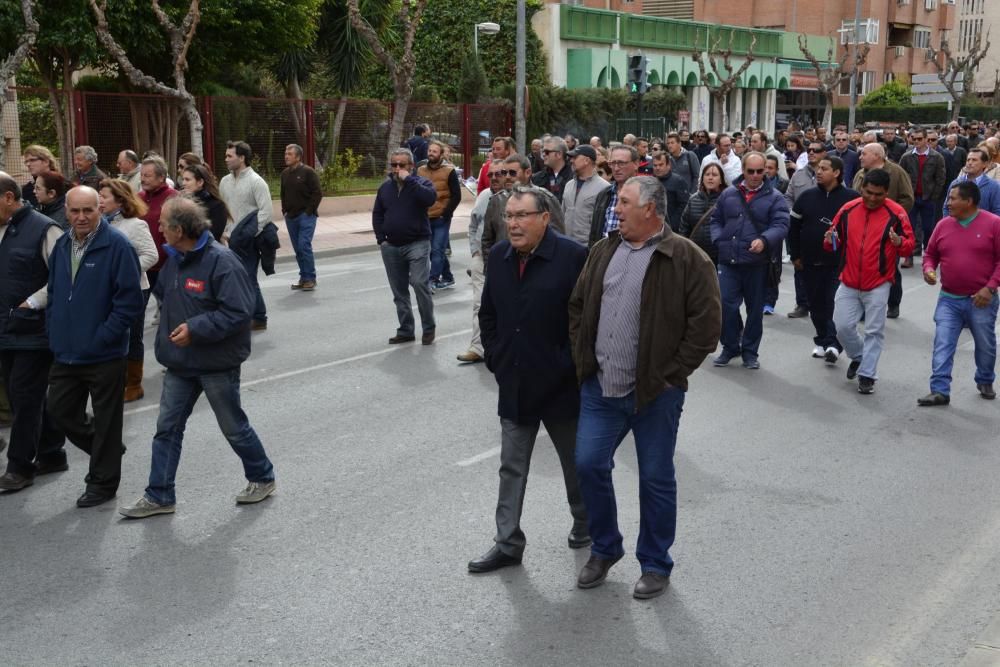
[(753, 171), (32, 159), (618, 163), (508, 172), (399, 165), (520, 216), (546, 151), (817, 150), (493, 174)]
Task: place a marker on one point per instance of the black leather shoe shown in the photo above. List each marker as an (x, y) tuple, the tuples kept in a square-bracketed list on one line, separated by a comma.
[(93, 499), (986, 391), (650, 585), (494, 559), (427, 338), (579, 537), (396, 340), (49, 467), (595, 571), (933, 398), (852, 369), (892, 313)]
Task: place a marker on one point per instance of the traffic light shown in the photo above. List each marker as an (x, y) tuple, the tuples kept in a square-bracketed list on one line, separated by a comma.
[(638, 70)]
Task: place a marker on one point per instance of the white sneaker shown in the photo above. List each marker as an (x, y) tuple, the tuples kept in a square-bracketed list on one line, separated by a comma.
[(831, 355), (818, 352)]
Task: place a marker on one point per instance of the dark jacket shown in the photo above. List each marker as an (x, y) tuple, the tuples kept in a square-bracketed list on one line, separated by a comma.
[(495, 227), (688, 167), (92, 178), (677, 198), (812, 215), (935, 174), (852, 163), (399, 216), (600, 212), (208, 289), (88, 318), (701, 150), (28, 193), (300, 191), (218, 214), (22, 273), (680, 316), (525, 328), (417, 146), (55, 211), (894, 151), (697, 206), (250, 246), (556, 185), (736, 224)]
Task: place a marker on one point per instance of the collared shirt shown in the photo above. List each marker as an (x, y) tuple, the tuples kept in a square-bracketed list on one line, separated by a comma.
[(617, 344), (611, 220), (80, 247)]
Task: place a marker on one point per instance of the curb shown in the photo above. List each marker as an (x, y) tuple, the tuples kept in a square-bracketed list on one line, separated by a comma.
[(986, 651), (348, 250)]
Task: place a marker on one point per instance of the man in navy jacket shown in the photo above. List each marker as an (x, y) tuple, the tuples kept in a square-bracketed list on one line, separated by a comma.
[(403, 233), (94, 296), (524, 322), (748, 225), (203, 339)]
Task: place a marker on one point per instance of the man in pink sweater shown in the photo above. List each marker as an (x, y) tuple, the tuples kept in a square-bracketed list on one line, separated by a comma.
[(966, 247)]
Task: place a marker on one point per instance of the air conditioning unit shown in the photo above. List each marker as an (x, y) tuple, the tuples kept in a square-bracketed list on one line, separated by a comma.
[(947, 2), (928, 54), (902, 2), (899, 51)]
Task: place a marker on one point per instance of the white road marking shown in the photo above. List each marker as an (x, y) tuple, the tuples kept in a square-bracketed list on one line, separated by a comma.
[(317, 367), (488, 454)]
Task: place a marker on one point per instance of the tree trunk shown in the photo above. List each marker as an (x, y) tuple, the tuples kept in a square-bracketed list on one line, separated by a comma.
[(721, 111), (403, 94), (957, 107), (828, 112), (338, 122), (294, 93), (194, 120)]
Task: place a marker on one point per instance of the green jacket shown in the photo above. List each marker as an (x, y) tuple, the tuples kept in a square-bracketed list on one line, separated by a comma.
[(680, 317)]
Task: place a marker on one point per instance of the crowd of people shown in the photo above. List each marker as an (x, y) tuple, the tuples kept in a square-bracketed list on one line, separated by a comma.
[(594, 296), (602, 277)]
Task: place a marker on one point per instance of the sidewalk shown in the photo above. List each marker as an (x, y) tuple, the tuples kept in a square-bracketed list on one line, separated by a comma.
[(352, 232)]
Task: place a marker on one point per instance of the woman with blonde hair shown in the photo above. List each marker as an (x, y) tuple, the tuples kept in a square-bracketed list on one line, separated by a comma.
[(37, 159), (124, 210), (993, 171)]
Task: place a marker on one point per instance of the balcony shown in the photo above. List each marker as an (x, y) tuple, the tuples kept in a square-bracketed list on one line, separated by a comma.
[(588, 25), (658, 33)]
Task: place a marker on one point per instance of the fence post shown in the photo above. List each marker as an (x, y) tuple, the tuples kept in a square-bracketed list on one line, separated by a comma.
[(208, 132), (467, 149), (310, 146), (79, 118)]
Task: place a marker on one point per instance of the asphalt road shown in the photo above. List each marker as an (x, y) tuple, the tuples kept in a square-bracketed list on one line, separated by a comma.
[(816, 526)]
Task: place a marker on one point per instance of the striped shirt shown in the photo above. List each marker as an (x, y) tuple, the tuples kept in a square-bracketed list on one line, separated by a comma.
[(610, 217), (617, 345)]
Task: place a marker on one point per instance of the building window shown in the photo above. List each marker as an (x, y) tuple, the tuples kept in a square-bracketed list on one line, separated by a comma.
[(930, 5), (889, 77), (866, 83), (921, 38), (902, 2), (869, 31)]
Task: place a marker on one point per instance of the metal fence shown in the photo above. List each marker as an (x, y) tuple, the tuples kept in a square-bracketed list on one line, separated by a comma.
[(329, 130)]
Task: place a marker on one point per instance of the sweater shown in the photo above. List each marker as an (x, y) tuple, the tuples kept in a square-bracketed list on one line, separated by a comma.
[(399, 215), (300, 191), (155, 200), (969, 257)]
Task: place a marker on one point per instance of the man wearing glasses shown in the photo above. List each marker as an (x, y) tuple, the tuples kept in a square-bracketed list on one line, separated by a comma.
[(557, 172), (801, 180), (515, 170), (749, 223), (403, 233), (928, 177), (624, 163), (525, 329), (843, 149)]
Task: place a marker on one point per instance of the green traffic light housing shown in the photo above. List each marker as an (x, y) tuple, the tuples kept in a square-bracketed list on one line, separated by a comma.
[(638, 72)]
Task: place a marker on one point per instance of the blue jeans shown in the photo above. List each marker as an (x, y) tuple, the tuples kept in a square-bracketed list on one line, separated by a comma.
[(849, 305), (739, 284), (251, 265), (440, 266), (951, 316), (603, 424), (923, 217), (300, 231), (177, 400), (405, 267)]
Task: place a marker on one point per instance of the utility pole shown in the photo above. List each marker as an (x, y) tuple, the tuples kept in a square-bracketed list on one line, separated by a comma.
[(851, 116), (520, 124)]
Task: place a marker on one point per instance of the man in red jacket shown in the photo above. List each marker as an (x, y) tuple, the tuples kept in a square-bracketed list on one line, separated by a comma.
[(871, 233)]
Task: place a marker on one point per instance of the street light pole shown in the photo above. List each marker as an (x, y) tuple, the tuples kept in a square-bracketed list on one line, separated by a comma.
[(520, 122), (854, 71)]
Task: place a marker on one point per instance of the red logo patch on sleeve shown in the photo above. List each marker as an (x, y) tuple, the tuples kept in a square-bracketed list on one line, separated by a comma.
[(193, 285)]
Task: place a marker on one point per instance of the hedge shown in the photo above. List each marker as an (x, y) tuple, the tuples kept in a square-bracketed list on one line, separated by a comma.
[(929, 114)]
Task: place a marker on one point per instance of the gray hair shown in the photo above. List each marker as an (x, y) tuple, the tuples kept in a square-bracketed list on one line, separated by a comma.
[(522, 191), (402, 151), (159, 166), (869, 137), (651, 190), (186, 215), (558, 143), (86, 152), (296, 148), (130, 156), (877, 149), (520, 160), (632, 152)]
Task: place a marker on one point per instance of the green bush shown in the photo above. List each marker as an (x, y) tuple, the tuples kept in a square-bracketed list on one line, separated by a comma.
[(36, 123), (340, 172), (893, 93), (921, 114)]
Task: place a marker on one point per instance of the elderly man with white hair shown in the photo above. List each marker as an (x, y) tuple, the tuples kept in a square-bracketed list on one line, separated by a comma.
[(87, 173)]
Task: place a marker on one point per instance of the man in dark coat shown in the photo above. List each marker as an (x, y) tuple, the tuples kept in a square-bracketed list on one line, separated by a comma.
[(524, 322)]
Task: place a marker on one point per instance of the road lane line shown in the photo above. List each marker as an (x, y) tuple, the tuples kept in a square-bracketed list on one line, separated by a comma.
[(488, 454), (316, 367)]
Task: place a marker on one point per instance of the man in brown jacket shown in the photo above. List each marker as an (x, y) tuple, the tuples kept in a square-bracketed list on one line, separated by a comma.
[(645, 313), (443, 176)]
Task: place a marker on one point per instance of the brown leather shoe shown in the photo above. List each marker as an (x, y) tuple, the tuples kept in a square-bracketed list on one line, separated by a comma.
[(595, 571), (650, 585), (307, 285), (11, 481), (133, 381), (427, 338), (396, 340), (259, 325), (469, 357)]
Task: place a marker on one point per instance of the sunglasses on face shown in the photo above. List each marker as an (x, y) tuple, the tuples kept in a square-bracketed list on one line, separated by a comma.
[(493, 174), (507, 172), (399, 165), (753, 171), (817, 150)]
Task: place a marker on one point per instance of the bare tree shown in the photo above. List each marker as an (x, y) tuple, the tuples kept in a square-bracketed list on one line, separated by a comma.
[(401, 68), (723, 84), (949, 70), (181, 37), (12, 63), (831, 77)]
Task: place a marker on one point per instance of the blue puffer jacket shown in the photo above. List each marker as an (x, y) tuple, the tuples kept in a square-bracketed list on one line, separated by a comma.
[(208, 289), (88, 318), (733, 230)]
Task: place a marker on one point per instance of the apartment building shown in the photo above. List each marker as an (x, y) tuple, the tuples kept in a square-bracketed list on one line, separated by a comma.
[(978, 17)]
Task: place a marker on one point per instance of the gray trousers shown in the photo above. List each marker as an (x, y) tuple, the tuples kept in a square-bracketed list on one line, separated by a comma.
[(516, 444), (410, 266)]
